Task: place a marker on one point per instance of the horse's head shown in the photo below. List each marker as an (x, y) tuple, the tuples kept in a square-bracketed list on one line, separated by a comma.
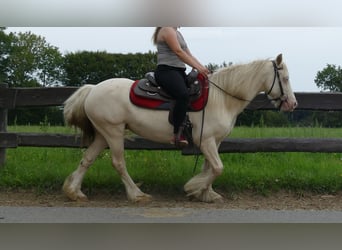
[(279, 89)]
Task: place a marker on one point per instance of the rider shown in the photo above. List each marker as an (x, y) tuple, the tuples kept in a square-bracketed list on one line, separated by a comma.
[(172, 56)]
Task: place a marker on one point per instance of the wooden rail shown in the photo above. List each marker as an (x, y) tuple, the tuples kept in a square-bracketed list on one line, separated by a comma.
[(30, 97), (229, 145)]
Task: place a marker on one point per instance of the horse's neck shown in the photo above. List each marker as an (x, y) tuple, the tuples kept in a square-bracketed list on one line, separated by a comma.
[(243, 81), (238, 85)]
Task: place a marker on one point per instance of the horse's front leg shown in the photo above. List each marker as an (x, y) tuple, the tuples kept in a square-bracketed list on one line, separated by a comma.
[(200, 186)]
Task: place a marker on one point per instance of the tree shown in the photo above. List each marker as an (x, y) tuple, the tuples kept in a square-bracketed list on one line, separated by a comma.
[(213, 66), (50, 67), (330, 78), (93, 67), (4, 53), (31, 61), (27, 60)]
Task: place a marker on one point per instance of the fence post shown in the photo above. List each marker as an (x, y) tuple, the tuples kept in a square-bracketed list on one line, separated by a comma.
[(3, 126)]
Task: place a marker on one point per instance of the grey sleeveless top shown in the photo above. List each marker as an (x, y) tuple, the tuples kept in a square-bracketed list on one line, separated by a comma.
[(166, 56)]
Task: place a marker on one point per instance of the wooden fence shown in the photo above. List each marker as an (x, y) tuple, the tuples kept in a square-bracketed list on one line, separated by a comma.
[(11, 98)]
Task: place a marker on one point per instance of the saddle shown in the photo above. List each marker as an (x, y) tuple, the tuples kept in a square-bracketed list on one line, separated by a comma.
[(147, 93)]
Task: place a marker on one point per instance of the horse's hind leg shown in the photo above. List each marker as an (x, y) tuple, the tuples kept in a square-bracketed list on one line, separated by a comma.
[(72, 184), (115, 139)]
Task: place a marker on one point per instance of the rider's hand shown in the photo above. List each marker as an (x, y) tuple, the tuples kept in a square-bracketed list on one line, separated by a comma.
[(204, 71)]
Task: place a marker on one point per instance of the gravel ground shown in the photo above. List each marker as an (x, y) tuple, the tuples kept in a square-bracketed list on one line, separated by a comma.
[(276, 201)]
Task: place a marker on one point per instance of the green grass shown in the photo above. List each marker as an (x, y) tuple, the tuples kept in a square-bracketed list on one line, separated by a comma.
[(238, 132), (41, 129), (44, 169), (298, 132)]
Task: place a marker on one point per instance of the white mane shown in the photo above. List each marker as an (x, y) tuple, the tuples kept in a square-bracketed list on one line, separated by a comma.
[(239, 80)]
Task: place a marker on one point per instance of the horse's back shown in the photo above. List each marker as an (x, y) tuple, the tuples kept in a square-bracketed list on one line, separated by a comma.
[(114, 85), (108, 97), (110, 89)]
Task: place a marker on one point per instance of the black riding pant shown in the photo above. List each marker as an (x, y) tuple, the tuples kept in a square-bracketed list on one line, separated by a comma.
[(173, 81)]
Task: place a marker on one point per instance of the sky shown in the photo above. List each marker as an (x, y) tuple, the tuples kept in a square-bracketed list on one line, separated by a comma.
[(306, 50), (307, 33)]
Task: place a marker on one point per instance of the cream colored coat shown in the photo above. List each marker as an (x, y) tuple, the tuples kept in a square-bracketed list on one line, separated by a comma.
[(105, 110)]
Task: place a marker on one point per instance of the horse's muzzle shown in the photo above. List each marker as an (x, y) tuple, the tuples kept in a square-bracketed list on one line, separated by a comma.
[(288, 105)]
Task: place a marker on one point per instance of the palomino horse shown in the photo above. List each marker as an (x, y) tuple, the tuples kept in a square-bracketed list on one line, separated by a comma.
[(106, 110)]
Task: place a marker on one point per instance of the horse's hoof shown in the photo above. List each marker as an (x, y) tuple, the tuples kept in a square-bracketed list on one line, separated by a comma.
[(73, 196), (219, 200), (146, 198), (77, 198), (82, 198)]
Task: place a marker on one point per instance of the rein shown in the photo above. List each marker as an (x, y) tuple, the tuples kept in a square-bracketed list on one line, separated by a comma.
[(227, 93)]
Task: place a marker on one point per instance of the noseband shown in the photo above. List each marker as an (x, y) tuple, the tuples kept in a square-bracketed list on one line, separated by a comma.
[(282, 98)]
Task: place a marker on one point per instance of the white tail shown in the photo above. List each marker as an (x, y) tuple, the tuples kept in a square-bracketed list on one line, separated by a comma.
[(74, 114)]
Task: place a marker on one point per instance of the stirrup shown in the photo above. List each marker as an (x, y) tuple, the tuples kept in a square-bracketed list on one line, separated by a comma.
[(179, 140)]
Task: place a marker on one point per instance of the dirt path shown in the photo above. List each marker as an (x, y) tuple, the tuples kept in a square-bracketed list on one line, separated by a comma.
[(277, 201)]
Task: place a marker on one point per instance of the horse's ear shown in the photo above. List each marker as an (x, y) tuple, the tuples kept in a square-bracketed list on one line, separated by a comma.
[(279, 59)]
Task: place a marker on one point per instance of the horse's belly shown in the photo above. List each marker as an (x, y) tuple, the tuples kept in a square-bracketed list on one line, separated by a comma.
[(150, 124)]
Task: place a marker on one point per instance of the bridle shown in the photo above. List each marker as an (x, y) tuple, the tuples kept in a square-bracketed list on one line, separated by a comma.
[(282, 98)]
